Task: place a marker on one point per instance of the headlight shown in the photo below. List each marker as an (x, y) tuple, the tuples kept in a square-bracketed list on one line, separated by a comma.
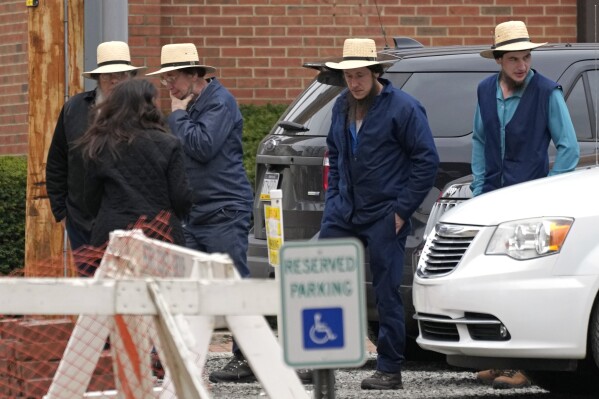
[(530, 238)]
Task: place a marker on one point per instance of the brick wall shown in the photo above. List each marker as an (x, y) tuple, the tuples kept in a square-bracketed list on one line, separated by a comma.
[(30, 352), (259, 46), (13, 77)]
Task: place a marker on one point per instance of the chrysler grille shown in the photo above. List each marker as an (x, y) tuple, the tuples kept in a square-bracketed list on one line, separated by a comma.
[(445, 250), (439, 208)]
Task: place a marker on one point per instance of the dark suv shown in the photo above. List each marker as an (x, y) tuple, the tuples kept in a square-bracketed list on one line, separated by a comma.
[(293, 157)]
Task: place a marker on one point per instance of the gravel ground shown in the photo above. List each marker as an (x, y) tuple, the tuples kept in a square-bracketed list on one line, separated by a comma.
[(422, 380)]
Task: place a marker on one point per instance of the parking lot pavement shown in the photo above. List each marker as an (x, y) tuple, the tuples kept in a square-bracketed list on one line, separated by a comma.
[(422, 380), (221, 342)]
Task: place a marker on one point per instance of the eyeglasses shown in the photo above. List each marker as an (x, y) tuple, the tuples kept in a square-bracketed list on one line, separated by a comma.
[(166, 80), (106, 77)]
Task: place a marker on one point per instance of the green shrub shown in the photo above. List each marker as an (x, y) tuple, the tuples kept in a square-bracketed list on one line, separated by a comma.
[(13, 188), (257, 122)]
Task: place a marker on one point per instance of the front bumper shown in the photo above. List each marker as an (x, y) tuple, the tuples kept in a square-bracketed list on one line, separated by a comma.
[(497, 307)]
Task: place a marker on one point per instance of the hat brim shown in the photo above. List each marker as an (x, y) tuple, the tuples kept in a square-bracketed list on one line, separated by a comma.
[(521, 46), (208, 68), (111, 69), (353, 64)]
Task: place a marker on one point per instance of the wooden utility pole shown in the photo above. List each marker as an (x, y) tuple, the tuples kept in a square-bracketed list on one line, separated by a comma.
[(47, 24)]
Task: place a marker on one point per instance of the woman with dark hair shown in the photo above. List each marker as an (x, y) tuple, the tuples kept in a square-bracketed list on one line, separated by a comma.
[(134, 165)]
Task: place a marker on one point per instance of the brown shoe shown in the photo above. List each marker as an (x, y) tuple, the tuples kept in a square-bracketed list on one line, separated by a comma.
[(510, 379), (488, 376)]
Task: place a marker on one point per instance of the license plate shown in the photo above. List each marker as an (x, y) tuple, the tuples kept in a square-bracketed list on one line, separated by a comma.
[(270, 182)]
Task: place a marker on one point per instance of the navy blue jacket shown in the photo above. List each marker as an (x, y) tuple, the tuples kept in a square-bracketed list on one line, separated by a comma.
[(527, 134), (210, 132), (395, 163)]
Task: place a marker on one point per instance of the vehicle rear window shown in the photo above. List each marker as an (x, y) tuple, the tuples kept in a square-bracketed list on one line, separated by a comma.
[(449, 99), (312, 110)]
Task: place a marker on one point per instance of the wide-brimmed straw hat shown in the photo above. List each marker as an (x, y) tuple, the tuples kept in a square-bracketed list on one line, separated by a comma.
[(511, 36), (112, 57), (358, 53), (178, 56)]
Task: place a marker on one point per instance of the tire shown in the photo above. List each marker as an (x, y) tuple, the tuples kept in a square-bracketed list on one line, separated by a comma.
[(586, 378), (594, 335), (566, 382)]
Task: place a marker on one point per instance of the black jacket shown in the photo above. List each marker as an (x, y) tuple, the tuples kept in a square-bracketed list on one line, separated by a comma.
[(148, 177), (64, 167)]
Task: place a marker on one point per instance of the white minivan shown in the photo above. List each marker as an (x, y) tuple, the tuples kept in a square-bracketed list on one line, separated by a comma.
[(510, 279)]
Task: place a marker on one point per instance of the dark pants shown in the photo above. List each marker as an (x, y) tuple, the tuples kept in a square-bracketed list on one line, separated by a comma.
[(386, 250), (78, 239), (224, 231)]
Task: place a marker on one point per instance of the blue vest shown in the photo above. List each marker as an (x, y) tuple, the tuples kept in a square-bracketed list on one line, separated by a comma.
[(527, 134)]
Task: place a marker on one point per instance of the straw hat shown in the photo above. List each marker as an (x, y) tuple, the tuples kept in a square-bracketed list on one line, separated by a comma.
[(357, 53), (511, 36), (112, 57), (178, 56)]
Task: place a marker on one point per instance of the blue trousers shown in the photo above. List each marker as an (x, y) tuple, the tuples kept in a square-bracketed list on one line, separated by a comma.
[(225, 231), (386, 250)]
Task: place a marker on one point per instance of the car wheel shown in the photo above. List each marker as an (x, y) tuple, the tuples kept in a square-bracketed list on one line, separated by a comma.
[(565, 382), (584, 379), (413, 350), (594, 334)]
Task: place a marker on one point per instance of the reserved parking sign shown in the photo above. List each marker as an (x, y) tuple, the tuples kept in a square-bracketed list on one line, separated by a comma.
[(323, 303)]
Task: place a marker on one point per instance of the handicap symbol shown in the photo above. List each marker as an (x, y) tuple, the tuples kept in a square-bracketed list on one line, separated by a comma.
[(320, 333), (323, 328)]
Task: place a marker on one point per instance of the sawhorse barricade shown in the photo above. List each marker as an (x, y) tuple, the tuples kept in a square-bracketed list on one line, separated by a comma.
[(150, 294)]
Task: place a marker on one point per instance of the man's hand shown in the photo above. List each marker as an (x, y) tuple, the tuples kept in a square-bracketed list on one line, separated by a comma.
[(399, 222), (180, 103)]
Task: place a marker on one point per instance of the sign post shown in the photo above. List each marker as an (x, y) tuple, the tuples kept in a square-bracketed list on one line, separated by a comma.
[(323, 305)]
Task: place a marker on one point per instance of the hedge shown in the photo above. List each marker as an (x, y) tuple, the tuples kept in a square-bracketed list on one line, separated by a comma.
[(258, 120), (13, 183)]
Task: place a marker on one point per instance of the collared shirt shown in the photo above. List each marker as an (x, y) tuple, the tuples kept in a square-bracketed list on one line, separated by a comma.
[(560, 126)]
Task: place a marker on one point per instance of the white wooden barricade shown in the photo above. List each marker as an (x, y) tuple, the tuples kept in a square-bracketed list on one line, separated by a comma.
[(181, 338)]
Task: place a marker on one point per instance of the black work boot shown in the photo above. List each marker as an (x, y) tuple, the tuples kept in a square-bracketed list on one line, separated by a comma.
[(382, 380), (237, 370), (305, 376)]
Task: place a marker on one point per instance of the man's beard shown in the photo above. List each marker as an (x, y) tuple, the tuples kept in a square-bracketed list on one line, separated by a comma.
[(357, 109), (100, 97), (511, 83)]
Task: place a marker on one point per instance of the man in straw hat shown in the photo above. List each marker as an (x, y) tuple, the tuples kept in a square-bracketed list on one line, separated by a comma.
[(519, 112), (383, 163), (64, 167), (206, 118)]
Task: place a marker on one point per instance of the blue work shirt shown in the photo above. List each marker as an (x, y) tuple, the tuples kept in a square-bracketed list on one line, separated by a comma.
[(559, 123)]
